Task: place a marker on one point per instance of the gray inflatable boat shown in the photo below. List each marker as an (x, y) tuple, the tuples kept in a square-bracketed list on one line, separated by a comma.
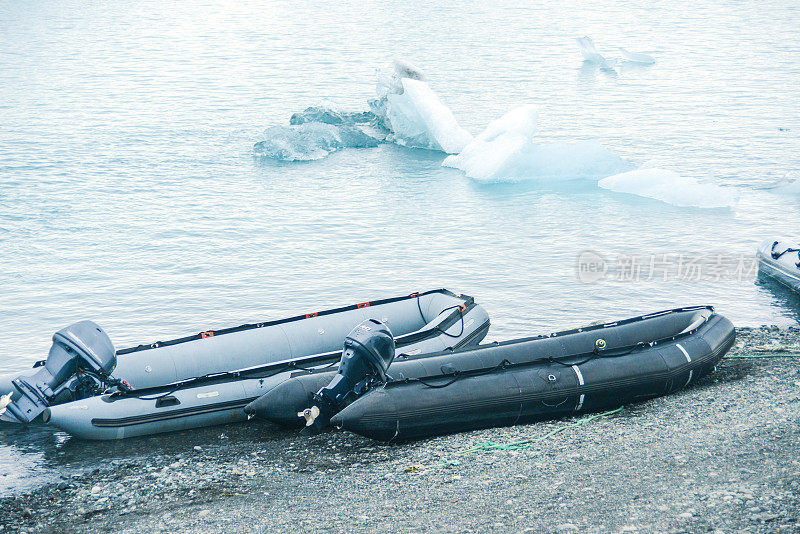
[(89, 390), (779, 259)]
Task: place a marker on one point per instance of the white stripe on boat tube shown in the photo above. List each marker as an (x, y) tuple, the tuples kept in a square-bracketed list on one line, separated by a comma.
[(580, 383), (689, 360), (580, 376)]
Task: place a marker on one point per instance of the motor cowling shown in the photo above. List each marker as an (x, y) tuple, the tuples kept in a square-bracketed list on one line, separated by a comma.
[(368, 351), (81, 357)]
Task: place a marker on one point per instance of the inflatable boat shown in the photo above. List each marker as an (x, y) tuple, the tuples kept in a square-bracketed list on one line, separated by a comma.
[(585, 369), (89, 390), (780, 260)]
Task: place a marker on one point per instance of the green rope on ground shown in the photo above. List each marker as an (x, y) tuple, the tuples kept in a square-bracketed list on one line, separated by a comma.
[(757, 356), (527, 443), (516, 445)]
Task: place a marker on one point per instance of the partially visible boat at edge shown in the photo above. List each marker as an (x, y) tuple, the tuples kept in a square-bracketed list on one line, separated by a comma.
[(779, 259)]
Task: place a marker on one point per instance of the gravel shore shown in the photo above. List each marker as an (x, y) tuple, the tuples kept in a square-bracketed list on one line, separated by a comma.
[(720, 456)]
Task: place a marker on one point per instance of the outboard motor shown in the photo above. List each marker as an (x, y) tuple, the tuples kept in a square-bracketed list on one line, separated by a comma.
[(368, 352), (80, 360)]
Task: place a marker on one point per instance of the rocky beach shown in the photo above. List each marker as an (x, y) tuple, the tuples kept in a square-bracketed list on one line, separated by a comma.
[(719, 456)]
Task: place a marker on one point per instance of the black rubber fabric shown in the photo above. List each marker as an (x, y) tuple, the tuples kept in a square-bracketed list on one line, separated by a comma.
[(545, 377)]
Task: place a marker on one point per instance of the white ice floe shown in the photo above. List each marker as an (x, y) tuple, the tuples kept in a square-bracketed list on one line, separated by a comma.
[(414, 114), (506, 151), (498, 147), (591, 54), (636, 57), (790, 185), (792, 188), (668, 186)]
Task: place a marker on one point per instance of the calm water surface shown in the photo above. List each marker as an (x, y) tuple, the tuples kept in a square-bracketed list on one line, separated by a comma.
[(129, 193)]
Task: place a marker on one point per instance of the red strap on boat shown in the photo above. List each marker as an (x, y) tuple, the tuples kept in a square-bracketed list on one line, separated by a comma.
[(363, 305), (413, 295), (462, 308), (204, 335), (312, 314)]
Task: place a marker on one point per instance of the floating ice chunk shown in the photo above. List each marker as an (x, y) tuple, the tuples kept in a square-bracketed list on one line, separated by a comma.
[(391, 82), (591, 54), (635, 57), (406, 112), (571, 161), (311, 140), (588, 50), (792, 188), (505, 151), (498, 148), (558, 161), (414, 114), (419, 119), (330, 115), (404, 69), (667, 186), (789, 185), (365, 121)]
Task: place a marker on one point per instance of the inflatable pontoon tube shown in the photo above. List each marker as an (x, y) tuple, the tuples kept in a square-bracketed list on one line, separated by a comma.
[(220, 398), (585, 369)]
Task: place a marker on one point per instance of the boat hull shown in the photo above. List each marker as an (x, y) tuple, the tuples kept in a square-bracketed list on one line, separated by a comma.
[(553, 376), (221, 401), (783, 269)]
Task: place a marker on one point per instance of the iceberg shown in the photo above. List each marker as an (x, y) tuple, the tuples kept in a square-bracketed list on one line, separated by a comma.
[(414, 114), (505, 151), (406, 112), (668, 186), (636, 57), (591, 54), (310, 141)]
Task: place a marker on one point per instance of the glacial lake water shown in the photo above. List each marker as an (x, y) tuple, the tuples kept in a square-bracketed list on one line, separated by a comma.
[(130, 194)]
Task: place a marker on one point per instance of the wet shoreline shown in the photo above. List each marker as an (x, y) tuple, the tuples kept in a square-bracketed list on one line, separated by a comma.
[(718, 456)]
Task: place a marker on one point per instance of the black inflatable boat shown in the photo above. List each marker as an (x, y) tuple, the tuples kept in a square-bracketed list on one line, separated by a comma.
[(585, 369)]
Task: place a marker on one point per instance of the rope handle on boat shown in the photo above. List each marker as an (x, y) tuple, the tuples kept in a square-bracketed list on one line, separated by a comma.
[(460, 307), (600, 353), (776, 255), (505, 364), (129, 392), (250, 326), (457, 375)]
